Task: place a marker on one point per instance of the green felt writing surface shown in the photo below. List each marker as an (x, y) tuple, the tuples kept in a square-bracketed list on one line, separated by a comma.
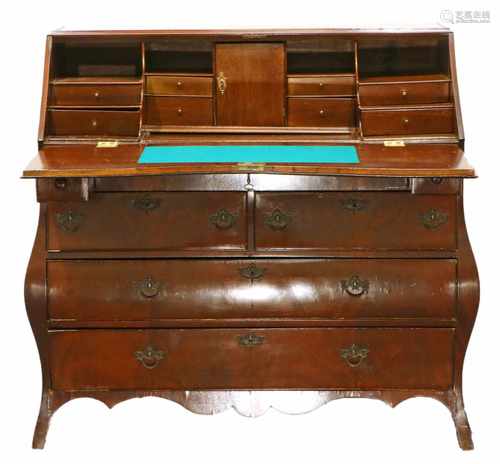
[(294, 154)]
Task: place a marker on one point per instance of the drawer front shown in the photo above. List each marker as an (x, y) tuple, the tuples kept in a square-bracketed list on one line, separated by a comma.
[(95, 95), (408, 122), (404, 94), (178, 111), (155, 290), (326, 86), (321, 112), (252, 359), (93, 123), (179, 85), (360, 221), (138, 221)]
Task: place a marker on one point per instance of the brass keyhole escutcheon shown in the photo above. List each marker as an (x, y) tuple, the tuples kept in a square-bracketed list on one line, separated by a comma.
[(355, 286), (221, 83)]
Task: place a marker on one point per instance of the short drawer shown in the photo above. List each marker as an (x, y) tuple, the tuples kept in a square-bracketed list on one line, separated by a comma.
[(138, 221), (328, 85), (178, 111), (179, 85), (93, 123), (153, 291), (360, 221), (251, 359), (328, 112), (408, 121), (404, 93), (95, 95)]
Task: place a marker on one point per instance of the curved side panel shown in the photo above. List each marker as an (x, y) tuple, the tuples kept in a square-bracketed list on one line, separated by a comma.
[(467, 306), (35, 291)]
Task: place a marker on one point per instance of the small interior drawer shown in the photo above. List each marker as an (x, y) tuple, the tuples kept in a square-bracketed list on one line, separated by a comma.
[(408, 121), (326, 112), (95, 95), (404, 93), (178, 111), (324, 85), (179, 85), (93, 123)]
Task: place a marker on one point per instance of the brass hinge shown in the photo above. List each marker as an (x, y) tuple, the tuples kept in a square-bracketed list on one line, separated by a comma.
[(394, 143), (107, 144)]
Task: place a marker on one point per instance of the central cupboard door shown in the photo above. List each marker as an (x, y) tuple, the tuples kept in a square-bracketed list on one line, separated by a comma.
[(250, 84)]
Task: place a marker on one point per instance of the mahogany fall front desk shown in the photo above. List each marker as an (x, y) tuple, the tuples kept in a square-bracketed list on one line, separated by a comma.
[(202, 283)]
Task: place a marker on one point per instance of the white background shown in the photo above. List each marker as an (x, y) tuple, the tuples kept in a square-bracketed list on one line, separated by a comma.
[(153, 430)]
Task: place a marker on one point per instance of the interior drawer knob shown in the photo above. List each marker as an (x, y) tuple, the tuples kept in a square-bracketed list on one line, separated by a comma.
[(277, 220), (149, 357), (97, 94), (404, 92), (354, 355), (322, 113), (149, 288), (179, 111), (223, 219), (94, 122), (252, 272), (355, 286), (433, 218), (321, 84), (179, 84), (251, 340), (405, 121), (69, 221)]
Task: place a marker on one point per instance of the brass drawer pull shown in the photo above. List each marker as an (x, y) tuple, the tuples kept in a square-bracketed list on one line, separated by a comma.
[(146, 203), (354, 355), (69, 221), (404, 92), (250, 340), (221, 83), (252, 272), (149, 357), (223, 219), (355, 286), (179, 111), (354, 204), (322, 113), (433, 218), (405, 121), (148, 288), (277, 220), (179, 84)]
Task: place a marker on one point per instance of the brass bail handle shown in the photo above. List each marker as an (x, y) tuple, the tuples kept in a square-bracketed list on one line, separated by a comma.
[(221, 82)]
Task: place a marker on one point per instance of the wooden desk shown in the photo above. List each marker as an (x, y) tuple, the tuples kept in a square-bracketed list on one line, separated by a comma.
[(201, 283)]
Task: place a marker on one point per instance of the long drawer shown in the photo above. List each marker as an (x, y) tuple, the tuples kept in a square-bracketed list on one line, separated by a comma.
[(142, 221), (243, 359), (104, 291), (355, 221)]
